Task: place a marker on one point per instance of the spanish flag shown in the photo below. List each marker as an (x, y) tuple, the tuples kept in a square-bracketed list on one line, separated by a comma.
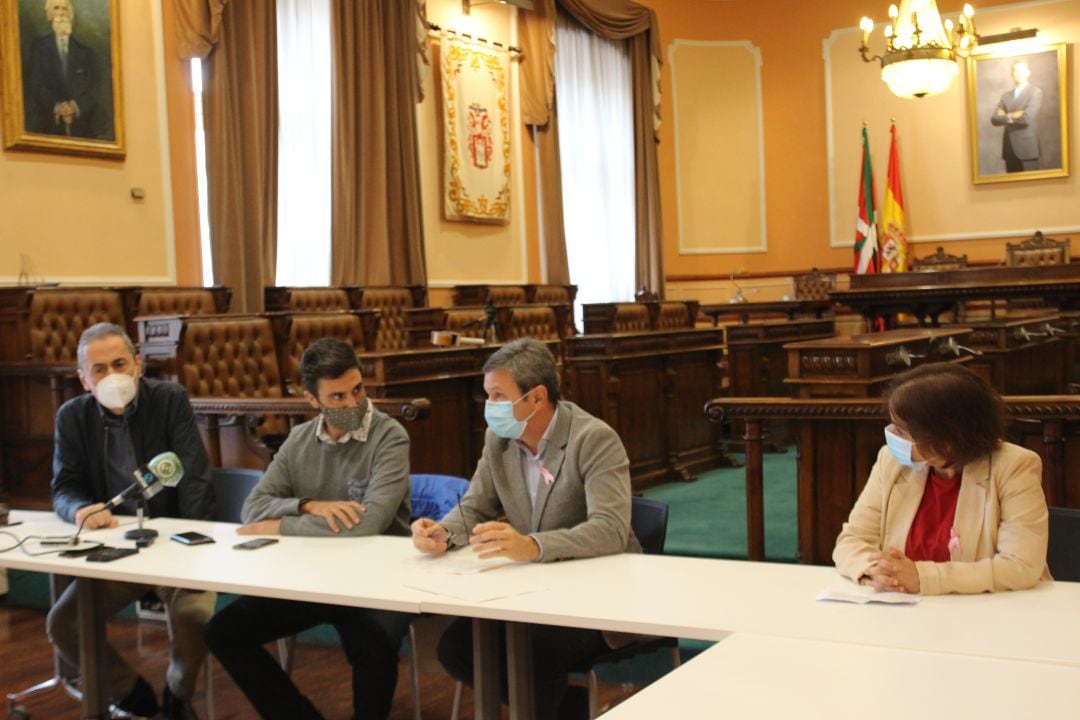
[(866, 233), (894, 250)]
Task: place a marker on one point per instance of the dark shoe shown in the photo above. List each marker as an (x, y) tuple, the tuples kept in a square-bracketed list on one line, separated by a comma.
[(174, 708), (140, 702)]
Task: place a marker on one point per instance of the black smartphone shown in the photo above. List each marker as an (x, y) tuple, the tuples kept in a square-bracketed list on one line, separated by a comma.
[(79, 552), (254, 544), (191, 538), (108, 554)]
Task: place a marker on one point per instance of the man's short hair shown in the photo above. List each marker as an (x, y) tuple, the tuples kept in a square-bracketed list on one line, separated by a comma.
[(328, 358), (530, 363), (101, 331)]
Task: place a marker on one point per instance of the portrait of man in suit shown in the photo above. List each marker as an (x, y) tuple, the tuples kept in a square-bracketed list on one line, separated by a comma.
[(1017, 109), (66, 79), (1018, 113)]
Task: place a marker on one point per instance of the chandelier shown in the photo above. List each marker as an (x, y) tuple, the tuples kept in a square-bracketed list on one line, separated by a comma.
[(920, 50)]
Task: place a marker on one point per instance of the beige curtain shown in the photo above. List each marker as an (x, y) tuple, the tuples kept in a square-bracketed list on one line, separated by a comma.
[(238, 44), (378, 236), (615, 20), (536, 32)]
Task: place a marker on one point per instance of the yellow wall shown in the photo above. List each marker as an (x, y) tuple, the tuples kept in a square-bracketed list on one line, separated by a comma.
[(792, 36), (74, 218)]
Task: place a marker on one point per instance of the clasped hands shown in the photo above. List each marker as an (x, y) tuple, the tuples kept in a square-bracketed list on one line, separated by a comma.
[(488, 539), (333, 512), (892, 572)]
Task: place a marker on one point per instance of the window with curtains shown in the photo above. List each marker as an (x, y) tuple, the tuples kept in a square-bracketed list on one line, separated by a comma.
[(304, 130), (304, 102), (596, 149)]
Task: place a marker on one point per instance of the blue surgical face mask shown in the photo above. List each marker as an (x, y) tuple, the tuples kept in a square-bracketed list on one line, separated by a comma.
[(499, 415), (900, 448)]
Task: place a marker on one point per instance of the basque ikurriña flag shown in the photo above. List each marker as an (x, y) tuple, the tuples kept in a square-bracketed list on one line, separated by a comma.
[(866, 232)]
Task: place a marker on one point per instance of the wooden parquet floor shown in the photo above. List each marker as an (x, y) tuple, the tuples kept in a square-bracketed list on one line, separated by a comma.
[(321, 673)]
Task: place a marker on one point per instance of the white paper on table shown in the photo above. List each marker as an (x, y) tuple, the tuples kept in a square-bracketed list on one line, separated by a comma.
[(461, 562), (474, 588), (847, 591)]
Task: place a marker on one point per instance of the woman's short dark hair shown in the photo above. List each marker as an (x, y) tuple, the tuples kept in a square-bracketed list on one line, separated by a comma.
[(530, 363), (948, 410), (326, 358)]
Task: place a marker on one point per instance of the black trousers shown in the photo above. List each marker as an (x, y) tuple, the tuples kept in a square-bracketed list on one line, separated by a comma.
[(557, 651), (1014, 163), (371, 640)]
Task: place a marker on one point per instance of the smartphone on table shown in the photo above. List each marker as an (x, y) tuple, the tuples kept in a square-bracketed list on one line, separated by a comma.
[(191, 538), (254, 544)]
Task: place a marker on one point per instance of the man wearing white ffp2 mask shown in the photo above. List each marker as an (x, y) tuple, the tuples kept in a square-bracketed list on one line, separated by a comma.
[(101, 437)]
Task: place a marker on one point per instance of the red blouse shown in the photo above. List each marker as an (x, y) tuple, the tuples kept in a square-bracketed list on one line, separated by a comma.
[(928, 538)]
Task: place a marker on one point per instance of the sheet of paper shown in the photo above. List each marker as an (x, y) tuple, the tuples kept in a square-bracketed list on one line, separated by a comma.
[(846, 591), (473, 588), (461, 562)]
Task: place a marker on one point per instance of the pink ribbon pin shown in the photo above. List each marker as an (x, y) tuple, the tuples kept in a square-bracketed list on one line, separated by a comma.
[(954, 542), (546, 474)]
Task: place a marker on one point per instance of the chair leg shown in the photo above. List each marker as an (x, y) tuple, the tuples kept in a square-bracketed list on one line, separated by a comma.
[(459, 688), (676, 658), (286, 653), (414, 675)]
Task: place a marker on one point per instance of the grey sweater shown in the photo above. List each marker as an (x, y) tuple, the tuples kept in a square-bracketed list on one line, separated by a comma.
[(374, 472)]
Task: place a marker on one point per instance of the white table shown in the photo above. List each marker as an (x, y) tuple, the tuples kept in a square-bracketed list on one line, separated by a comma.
[(360, 572), (660, 595), (754, 676)]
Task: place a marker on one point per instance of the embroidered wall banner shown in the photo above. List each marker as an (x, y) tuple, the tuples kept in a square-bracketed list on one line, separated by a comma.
[(476, 124)]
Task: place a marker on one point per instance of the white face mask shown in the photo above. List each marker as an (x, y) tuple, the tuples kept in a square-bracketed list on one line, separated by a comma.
[(115, 391), (900, 448)]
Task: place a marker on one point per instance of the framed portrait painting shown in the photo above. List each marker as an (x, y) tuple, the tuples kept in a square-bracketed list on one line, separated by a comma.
[(61, 76), (1017, 114)]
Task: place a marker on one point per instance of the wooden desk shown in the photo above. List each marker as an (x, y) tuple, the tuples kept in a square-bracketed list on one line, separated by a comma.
[(1021, 355), (649, 387), (746, 310), (861, 365), (927, 295), (838, 443), (757, 361), (741, 677)]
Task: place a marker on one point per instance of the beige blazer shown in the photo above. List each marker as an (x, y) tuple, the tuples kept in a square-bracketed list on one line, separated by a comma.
[(585, 512), (1001, 520)]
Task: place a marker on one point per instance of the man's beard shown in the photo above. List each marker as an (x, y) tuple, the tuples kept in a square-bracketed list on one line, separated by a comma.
[(61, 26)]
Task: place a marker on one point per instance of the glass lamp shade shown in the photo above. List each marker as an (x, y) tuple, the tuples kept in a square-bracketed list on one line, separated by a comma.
[(919, 78)]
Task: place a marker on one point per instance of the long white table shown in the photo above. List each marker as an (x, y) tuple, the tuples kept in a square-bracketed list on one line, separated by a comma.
[(754, 676), (659, 595)]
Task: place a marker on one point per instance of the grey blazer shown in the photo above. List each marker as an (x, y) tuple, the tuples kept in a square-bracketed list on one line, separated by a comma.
[(1021, 133), (585, 512)]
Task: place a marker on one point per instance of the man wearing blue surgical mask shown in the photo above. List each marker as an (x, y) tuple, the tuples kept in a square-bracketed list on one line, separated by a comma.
[(561, 480), (344, 474), (121, 422)]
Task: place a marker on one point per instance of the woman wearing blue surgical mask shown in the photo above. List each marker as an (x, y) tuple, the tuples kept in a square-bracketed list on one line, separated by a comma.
[(949, 507)]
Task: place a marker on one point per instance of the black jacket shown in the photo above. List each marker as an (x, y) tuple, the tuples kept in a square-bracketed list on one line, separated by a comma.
[(162, 421)]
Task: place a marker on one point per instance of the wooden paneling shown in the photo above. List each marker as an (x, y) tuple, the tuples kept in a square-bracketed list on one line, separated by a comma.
[(650, 387)]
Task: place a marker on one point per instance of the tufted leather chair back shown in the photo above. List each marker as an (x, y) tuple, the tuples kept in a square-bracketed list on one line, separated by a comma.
[(392, 303), (535, 322), (58, 318), (631, 317), (506, 295), (168, 301), (552, 295), (466, 321), (311, 300), (306, 329), (814, 285), (673, 316), (1037, 250), (229, 357)]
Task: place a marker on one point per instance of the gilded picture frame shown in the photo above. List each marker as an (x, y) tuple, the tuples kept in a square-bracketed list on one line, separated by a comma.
[(1018, 113), (61, 80)]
